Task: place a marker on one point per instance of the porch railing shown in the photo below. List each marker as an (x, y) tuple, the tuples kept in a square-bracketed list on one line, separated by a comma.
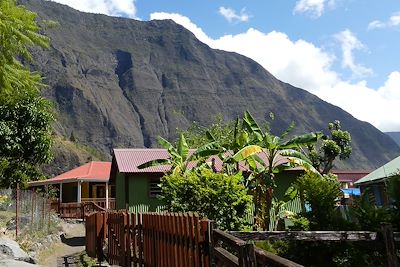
[(78, 210)]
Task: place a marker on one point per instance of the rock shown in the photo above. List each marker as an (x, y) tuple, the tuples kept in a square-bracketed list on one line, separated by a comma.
[(15, 263), (10, 250)]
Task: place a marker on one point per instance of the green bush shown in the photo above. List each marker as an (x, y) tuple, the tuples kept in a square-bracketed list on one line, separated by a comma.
[(216, 196), (369, 217), (300, 223), (321, 194)]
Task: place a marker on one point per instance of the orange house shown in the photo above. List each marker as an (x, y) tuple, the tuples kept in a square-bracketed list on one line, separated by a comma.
[(87, 183)]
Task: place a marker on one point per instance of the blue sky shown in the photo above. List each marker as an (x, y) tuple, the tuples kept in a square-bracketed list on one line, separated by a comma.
[(344, 51)]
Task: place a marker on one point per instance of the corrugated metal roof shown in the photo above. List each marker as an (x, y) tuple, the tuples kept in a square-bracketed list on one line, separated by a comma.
[(94, 170), (382, 172), (350, 175), (128, 159)]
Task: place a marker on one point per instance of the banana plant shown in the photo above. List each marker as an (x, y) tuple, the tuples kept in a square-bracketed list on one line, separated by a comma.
[(179, 156), (225, 151), (273, 149)]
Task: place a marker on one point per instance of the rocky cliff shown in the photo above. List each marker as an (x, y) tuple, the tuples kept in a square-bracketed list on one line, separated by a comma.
[(119, 82)]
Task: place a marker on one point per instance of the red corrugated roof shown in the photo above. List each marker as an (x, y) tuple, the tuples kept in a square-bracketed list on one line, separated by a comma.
[(94, 170), (127, 160), (350, 175)]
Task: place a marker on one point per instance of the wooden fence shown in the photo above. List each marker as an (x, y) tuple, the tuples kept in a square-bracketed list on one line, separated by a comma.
[(169, 239), (76, 210), (385, 236), (229, 250)]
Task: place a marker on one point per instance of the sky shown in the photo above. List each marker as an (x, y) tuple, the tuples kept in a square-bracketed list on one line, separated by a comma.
[(343, 51)]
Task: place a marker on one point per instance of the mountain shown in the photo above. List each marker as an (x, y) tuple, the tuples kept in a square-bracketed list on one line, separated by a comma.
[(395, 136), (119, 82)]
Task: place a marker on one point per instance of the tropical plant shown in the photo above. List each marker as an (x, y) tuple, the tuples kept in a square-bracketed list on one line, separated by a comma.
[(179, 156), (321, 194), (217, 196), (338, 144), (279, 207), (273, 149), (369, 216)]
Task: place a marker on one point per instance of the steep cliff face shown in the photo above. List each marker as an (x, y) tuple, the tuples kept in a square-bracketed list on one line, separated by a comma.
[(121, 83)]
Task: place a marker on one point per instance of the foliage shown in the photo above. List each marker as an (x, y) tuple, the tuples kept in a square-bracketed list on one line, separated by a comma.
[(332, 254), (300, 223), (369, 217), (179, 156), (393, 186), (5, 202), (216, 196), (321, 194), (264, 171), (25, 116), (338, 144), (19, 31), (196, 135), (25, 132), (279, 207), (86, 261)]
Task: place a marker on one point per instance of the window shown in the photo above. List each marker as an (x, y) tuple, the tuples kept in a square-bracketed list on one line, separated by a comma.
[(154, 188)]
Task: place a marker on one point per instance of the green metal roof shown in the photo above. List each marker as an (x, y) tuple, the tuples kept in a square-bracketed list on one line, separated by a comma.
[(385, 171)]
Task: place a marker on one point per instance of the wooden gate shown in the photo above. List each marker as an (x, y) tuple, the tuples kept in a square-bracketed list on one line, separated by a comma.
[(118, 239), (152, 239)]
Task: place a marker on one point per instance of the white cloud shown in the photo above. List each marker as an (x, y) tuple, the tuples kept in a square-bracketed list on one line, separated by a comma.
[(230, 14), (305, 65), (349, 43), (393, 21), (313, 8), (376, 24), (107, 7)]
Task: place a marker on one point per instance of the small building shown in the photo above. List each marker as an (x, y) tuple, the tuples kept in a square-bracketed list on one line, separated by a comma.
[(86, 183), (347, 178), (137, 189), (376, 181)]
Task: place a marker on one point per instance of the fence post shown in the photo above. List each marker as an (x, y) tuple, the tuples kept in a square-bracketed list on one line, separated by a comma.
[(388, 239), (16, 210), (247, 256), (211, 242)]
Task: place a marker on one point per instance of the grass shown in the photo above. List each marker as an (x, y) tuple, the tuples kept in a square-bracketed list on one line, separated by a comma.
[(86, 261), (6, 216), (46, 253)]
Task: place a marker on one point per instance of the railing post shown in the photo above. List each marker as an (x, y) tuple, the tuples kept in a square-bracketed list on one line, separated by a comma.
[(247, 256), (388, 239), (211, 242)]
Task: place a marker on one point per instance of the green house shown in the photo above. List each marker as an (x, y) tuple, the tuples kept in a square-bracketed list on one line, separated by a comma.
[(137, 189)]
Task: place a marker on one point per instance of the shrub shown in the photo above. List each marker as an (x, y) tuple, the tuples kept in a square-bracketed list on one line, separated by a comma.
[(369, 217), (321, 194), (216, 196)]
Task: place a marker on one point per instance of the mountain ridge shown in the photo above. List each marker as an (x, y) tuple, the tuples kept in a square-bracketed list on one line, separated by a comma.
[(118, 82)]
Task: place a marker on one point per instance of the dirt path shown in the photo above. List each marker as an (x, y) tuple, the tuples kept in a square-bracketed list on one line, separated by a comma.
[(66, 253)]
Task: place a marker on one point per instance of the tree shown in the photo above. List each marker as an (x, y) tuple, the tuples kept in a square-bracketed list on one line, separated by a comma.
[(338, 144), (197, 135), (19, 31), (265, 170), (217, 196), (25, 116)]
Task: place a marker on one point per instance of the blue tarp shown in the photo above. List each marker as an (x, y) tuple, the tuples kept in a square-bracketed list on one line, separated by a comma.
[(352, 191)]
